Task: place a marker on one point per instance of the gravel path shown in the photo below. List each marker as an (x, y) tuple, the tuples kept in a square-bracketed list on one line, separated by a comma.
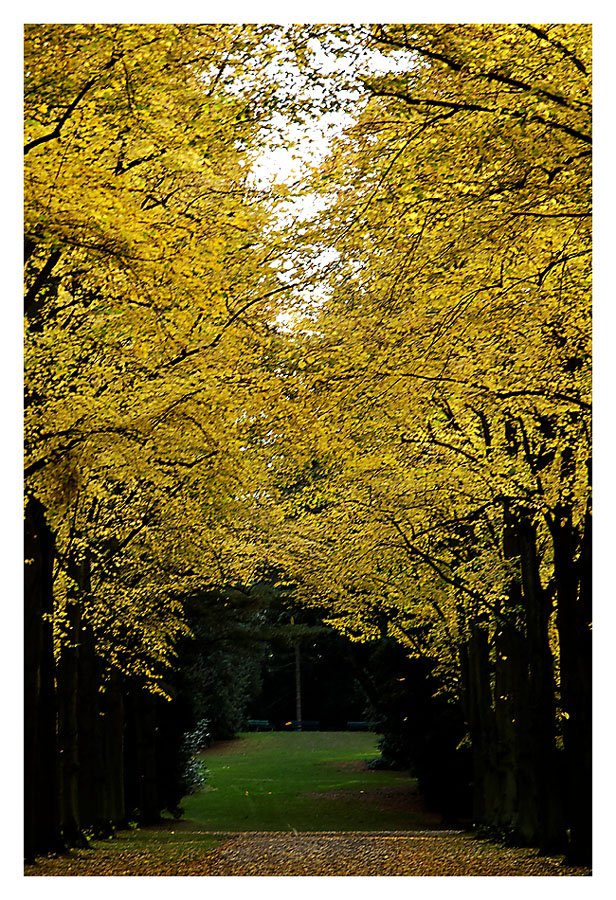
[(316, 853), (420, 853)]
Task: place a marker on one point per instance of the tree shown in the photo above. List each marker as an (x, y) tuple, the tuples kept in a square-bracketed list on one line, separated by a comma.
[(445, 381), (147, 296)]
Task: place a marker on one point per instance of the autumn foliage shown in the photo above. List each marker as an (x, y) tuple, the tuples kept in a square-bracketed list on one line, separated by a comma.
[(410, 443)]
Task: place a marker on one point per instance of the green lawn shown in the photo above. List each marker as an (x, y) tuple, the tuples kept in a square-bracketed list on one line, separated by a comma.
[(310, 781), (314, 781)]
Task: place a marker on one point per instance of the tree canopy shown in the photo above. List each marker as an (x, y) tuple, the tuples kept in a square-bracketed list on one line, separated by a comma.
[(374, 380)]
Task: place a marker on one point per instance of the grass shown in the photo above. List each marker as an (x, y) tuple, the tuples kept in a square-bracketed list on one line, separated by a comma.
[(298, 782), (309, 781), (275, 781)]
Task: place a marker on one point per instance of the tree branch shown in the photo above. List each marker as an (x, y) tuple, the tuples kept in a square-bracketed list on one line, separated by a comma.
[(39, 281), (52, 135)]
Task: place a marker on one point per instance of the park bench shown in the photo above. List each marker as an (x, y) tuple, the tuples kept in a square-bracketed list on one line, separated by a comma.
[(259, 725), (359, 726), (305, 725)]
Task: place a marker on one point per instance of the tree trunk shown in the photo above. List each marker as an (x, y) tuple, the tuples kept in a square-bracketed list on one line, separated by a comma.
[(508, 643), (41, 814), (574, 622), (113, 739), (539, 817), (68, 728), (140, 757), (146, 755), (480, 716), (130, 763), (93, 796), (542, 708)]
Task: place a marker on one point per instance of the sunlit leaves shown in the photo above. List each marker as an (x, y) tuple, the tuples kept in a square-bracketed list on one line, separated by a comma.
[(146, 294), (355, 388), (451, 372)]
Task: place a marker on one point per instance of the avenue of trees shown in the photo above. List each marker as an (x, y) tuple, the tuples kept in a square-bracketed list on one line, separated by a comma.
[(368, 390)]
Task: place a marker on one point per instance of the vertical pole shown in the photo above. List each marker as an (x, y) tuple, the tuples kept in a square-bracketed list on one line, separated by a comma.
[(298, 690)]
